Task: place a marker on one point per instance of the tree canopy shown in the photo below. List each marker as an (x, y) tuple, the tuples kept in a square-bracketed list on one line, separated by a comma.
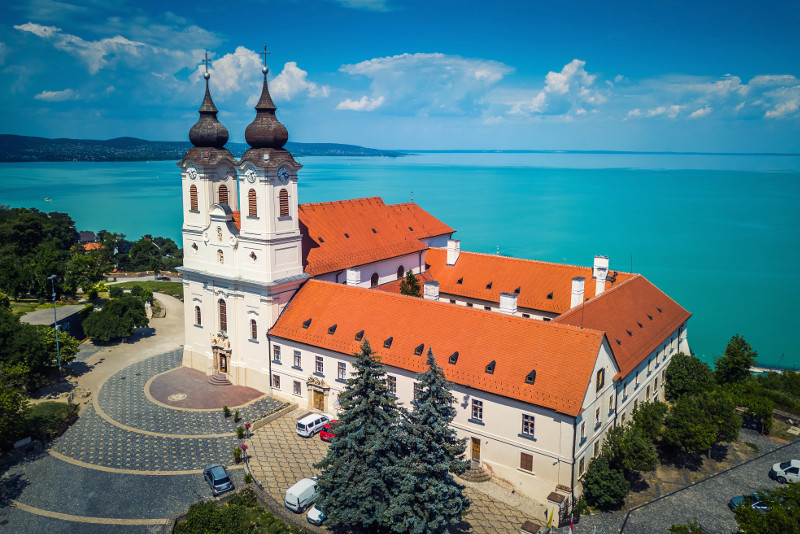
[(604, 487), (734, 365), (116, 320), (687, 375), (410, 285), (782, 517)]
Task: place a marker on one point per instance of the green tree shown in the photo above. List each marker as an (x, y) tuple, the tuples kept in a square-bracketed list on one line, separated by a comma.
[(722, 411), (118, 319), (694, 424), (68, 346), (627, 449), (648, 417), (115, 292), (84, 270), (13, 406), (23, 344), (687, 375), (354, 485), (410, 285), (783, 516), (734, 365), (425, 497), (604, 487)]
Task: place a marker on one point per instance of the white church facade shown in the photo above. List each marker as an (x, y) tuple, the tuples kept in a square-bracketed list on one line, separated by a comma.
[(279, 295)]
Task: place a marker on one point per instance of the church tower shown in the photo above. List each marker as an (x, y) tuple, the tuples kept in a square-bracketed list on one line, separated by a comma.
[(242, 243)]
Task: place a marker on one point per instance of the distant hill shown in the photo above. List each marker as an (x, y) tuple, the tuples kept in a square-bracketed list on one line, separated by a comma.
[(22, 148)]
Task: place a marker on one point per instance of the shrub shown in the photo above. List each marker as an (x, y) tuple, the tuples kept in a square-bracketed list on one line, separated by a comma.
[(603, 487), (248, 478), (92, 295), (115, 292), (137, 291)]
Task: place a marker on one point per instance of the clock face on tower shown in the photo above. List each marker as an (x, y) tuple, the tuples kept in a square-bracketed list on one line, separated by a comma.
[(192, 172), (251, 175), (283, 174)]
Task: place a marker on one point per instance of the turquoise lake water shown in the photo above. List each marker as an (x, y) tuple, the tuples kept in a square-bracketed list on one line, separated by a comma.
[(719, 234)]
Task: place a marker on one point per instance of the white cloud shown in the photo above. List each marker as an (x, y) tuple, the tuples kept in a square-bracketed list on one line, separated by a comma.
[(56, 96), (564, 92), (782, 110), (37, 29), (365, 104), (232, 72), (670, 111), (429, 84), (368, 5), (634, 114), (293, 81), (702, 112)]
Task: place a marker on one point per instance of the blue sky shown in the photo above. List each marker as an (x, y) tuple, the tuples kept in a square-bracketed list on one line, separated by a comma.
[(522, 74)]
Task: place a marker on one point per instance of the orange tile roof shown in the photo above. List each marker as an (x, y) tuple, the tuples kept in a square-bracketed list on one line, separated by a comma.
[(92, 246), (237, 220), (347, 233), (535, 279), (563, 356), (636, 317)]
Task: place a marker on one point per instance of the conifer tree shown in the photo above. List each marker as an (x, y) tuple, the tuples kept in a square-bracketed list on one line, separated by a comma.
[(410, 285), (425, 496), (354, 484)]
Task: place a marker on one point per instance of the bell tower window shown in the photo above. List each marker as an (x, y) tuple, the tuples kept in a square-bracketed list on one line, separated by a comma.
[(223, 317), (223, 194), (193, 198), (198, 317), (253, 329), (283, 201), (251, 203)]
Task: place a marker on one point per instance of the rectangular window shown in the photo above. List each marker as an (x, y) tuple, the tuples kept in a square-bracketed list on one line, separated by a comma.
[(341, 371), (469, 304), (487, 308), (318, 364), (663, 375), (526, 461), (581, 467), (601, 378), (526, 315), (611, 403), (276, 381), (583, 431), (477, 410), (546, 319), (655, 383), (276, 353), (647, 394), (417, 391), (596, 448), (296, 387), (636, 384), (648, 366), (391, 382), (297, 359), (527, 425), (452, 301), (622, 419), (625, 390), (597, 417)]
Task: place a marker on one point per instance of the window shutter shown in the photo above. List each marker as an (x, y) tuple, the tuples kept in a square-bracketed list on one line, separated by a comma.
[(193, 198), (223, 319), (283, 198), (223, 194), (251, 200)]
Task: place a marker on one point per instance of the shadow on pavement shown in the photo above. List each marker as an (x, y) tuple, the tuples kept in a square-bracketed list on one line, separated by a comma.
[(11, 487)]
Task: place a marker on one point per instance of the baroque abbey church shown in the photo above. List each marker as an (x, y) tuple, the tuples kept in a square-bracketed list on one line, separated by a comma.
[(543, 358)]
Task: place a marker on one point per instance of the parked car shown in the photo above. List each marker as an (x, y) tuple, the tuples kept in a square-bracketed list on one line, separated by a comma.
[(218, 479), (786, 471), (299, 496), (311, 423), (315, 516), (752, 500), (326, 434)]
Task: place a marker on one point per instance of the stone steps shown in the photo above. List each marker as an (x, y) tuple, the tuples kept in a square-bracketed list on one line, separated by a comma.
[(219, 380), (476, 473)]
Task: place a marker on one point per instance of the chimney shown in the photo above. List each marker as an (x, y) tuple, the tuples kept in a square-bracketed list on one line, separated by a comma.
[(431, 290), (599, 272), (353, 276), (508, 303), (577, 291), (453, 250)]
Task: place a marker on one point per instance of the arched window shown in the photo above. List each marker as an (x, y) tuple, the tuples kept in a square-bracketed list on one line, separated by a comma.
[(253, 329), (220, 257), (400, 272), (283, 199), (223, 316), (374, 280), (198, 318), (251, 201), (223, 194), (193, 198)]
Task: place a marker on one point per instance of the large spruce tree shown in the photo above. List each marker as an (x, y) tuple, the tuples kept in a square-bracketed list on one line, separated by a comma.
[(425, 496), (354, 485)]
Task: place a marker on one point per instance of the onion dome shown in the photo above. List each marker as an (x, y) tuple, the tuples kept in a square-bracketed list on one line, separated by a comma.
[(266, 131), (208, 132)]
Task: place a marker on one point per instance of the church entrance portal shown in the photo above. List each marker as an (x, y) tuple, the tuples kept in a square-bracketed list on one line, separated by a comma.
[(319, 401), (223, 363), (221, 349), (317, 393)]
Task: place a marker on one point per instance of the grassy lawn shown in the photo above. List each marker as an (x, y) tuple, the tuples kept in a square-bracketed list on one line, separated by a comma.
[(170, 288), (780, 430), (45, 419), (23, 306)]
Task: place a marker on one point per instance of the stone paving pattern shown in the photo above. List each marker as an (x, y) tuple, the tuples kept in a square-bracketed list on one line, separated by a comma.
[(122, 398)]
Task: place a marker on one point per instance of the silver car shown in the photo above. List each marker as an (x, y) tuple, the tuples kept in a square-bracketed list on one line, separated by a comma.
[(218, 479)]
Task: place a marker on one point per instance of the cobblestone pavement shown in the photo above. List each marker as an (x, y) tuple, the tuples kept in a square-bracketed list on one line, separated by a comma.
[(279, 458), (123, 399)]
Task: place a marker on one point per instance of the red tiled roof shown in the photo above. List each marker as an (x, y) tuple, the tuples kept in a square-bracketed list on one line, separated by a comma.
[(535, 279), (563, 356), (237, 220), (92, 246), (347, 233), (636, 317)]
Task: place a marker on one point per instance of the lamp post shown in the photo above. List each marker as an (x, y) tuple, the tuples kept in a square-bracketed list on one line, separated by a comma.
[(52, 279)]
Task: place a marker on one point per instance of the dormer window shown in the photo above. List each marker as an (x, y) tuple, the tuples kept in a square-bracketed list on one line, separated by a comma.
[(659, 310), (489, 285), (649, 316), (531, 378), (410, 228), (320, 240), (453, 358), (306, 323), (640, 324), (374, 231), (331, 330), (460, 280), (618, 342), (550, 296), (360, 335), (388, 343), (347, 235), (629, 332), (419, 349), (517, 290), (490, 368)]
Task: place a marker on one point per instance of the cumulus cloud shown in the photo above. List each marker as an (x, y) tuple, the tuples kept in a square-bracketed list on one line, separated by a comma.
[(782, 110), (365, 104), (293, 81), (669, 111), (429, 84), (56, 96), (232, 71), (702, 112), (571, 90)]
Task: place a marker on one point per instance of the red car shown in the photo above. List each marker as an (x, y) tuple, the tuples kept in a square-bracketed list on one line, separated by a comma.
[(326, 434)]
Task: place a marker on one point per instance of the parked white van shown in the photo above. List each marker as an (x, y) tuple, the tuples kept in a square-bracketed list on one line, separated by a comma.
[(312, 423), (302, 494)]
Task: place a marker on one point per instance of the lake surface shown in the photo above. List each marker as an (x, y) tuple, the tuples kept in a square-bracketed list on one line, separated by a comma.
[(719, 234)]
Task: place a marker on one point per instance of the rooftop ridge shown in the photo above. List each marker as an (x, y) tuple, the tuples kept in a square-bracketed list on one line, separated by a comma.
[(527, 260), (315, 205), (596, 298)]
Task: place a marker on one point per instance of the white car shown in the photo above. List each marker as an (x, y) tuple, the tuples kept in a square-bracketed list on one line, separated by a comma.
[(786, 471), (312, 423), (315, 516)]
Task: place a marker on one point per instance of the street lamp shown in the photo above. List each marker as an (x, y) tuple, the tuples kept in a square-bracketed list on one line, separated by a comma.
[(52, 279)]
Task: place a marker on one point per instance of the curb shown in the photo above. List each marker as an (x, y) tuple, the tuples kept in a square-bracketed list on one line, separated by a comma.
[(258, 423)]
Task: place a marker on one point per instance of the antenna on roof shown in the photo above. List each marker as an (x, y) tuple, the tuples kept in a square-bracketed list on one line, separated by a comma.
[(498, 250), (412, 196)]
